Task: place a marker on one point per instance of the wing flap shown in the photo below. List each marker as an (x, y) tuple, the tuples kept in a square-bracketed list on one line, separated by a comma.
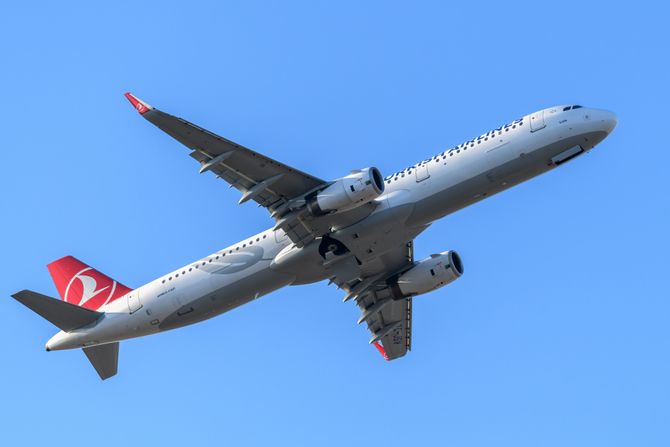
[(391, 324)]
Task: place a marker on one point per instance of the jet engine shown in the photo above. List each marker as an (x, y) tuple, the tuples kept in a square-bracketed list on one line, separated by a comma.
[(357, 188), (429, 274)]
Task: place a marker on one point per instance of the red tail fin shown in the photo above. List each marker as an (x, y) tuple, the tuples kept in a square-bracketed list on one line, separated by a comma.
[(79, 284)]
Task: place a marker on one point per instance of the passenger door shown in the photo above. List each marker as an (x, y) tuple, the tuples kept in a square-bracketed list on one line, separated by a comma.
[(537, 121), (134, 303)]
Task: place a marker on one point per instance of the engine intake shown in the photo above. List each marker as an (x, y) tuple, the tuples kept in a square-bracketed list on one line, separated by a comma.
[(428, 275), (357, 188)]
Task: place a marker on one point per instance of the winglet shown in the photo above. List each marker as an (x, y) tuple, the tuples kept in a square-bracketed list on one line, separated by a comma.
[(381, 350), (140, 105)]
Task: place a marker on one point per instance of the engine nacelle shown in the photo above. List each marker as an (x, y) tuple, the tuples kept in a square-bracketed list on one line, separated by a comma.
[(348, 192), (429, 274)]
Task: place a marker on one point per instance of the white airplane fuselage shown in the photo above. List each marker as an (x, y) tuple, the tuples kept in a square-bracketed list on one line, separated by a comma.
[(412, 200)]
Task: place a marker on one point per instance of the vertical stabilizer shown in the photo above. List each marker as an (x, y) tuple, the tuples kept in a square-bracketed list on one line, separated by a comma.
[(82, 285)]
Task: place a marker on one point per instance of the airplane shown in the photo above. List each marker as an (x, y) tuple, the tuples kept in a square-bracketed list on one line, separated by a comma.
[(356, 231)]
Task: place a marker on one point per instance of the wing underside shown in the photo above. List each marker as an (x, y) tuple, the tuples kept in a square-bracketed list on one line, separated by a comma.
[(279, 188), (260, 178), (387, 316)]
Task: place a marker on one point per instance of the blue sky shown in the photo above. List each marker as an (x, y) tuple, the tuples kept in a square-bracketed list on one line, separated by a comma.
[(556, 335)]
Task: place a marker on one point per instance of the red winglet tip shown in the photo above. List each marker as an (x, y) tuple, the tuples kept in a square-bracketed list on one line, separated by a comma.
[(381, 350), (140, 105)]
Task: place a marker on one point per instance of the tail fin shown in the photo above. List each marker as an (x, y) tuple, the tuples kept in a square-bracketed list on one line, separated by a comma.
[(79, 284)]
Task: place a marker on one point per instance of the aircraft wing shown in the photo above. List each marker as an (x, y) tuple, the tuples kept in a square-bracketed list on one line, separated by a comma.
[(389, 320), (275, 186), (261, 179)]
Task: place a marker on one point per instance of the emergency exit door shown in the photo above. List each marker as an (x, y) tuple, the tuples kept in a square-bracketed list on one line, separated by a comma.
[(422, 172)]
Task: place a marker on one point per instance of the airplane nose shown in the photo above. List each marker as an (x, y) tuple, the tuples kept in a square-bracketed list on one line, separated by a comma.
[(609, 120)]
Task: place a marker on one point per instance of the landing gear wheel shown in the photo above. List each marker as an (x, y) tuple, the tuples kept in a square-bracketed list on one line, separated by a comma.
[(329, 244)]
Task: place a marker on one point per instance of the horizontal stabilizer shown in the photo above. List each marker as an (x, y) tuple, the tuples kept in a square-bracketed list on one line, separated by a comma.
[(64, 315), (104, 358)]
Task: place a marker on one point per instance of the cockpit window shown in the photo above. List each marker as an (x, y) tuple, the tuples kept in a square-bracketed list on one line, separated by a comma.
[(576, 107), (565, 109)]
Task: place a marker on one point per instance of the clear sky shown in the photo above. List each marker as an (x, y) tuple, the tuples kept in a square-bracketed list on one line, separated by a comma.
[(556, 335)]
